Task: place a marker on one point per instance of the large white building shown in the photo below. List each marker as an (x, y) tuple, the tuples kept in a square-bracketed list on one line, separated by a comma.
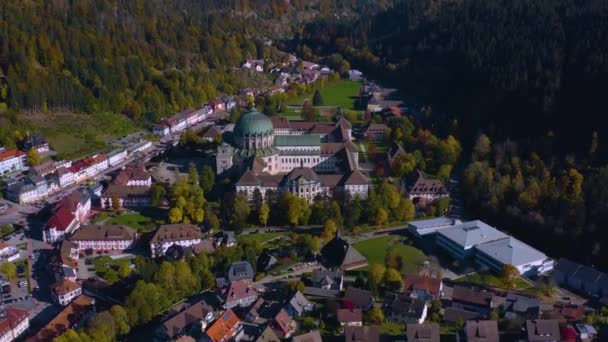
[(13, 323), (67, 216), (184, 235), (305, 158), (107, 238), (12, 160)]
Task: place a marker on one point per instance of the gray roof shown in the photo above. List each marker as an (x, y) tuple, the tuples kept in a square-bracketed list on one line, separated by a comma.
[(482, 331), (472, 233), (299, 303), (543, 330), (511, 251), (298, 140), (428, 332), (521, 304), (587, 274), (240, 270), (423, 227), (566, 266)]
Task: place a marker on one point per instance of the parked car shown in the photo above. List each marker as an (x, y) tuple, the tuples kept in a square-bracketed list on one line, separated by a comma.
[(23, 283)]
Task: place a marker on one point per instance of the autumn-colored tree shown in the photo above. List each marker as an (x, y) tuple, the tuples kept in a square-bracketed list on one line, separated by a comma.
[(175, 215), (263, 214), (329, 230), (509, 274), (33, 157)]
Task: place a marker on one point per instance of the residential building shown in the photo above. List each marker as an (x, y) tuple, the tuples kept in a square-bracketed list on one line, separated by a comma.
[(452, 315), (375, 132), (586, 331), (545, 330), (358, 298), (510, 251), (67, 215), (284, 325), (394, 151), (428, 332), (116, 157), (402, 308), (362, 334), (460, 239), (569, 312), (255, 64), (423, 286), (268, 335), (355, 75), (239, 293), (422, 189), (481, 331), (131, 188), (12, 160), (299, 305), (310, 65), (226, 327), (35, 141), (422, 228), (338, 253), (65, 176), (519, 306), (199, 314), (327, 279), (43, 169), (313, 336), (265, 261), (13, 323), (64, 261), (212, 134), (73, 316), (22, 192), (139, 147), (350, 317), (181, 234), (240, 270), (470, 299), (104, 238), (64, 291)]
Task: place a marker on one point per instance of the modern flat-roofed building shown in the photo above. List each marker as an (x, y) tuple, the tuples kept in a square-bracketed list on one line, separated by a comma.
[(510, 251), (425, 227), (460, 240)]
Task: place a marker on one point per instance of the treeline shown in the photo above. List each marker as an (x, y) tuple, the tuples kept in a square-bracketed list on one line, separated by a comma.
[(552, 203), (515, 69)]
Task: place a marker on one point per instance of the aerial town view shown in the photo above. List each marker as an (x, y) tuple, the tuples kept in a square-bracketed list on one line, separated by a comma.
[(274, 170)]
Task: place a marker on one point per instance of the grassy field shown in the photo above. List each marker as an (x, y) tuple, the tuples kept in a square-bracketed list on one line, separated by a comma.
[(77, 134), (260, 238), (392, 329), (339, 93), (375, 250), (489, 279), (136, 221)]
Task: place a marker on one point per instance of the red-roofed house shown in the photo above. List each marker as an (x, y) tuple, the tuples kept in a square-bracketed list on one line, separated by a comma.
[(13, 323), (240, 293), (284, 325), (64, 291), (11, 160), (224, 328), (67, 216), (423, 287)]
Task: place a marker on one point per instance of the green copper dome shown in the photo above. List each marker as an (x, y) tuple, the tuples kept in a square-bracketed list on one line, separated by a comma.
[(253, 123)]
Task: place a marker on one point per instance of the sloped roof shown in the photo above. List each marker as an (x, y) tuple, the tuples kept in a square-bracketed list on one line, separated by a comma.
[(61, 220), (455, 314), (356, 178), (358, 297), (176, 232), (279, 122), (64, 286), (196, 312), (472, 233), (482, 331), (302, 172), (543, 330), (511, 251), (66, 319), (284, 322), (424, 283), (349, 315), (224, 327), (566, 266), (428, 332), (240, 289), (339, 253), (313, 336), (297, 140), (12, 319), (403, 305), (103, 232), (268, 335), (248, 179), (361, 334), (298, 302), (9, 153), (467, 295)]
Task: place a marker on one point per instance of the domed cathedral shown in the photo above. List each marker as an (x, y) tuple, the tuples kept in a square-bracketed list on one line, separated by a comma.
[(270, 153)]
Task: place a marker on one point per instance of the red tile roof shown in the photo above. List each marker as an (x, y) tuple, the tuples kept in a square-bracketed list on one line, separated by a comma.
[(240, 289), (10, 153), (61, 220), (65, 320), (13, 318), (350, 315), (64, 286), (423, 283), (284, 323), (224, 327)]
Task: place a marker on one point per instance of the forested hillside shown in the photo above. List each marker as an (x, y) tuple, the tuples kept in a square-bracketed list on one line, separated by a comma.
[(532, 76), (142, 58), (513, 68)]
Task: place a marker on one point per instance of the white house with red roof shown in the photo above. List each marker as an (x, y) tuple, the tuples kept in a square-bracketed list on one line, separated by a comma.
[(240, 293), (13, 323), (12, 160), (67, 216), (64, 291)]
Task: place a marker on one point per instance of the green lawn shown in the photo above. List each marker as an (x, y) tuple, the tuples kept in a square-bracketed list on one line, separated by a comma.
[(73, 135), (338, 93), (375, 250), (492, 280), (392, 329), (135, 220), (260, 238)]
